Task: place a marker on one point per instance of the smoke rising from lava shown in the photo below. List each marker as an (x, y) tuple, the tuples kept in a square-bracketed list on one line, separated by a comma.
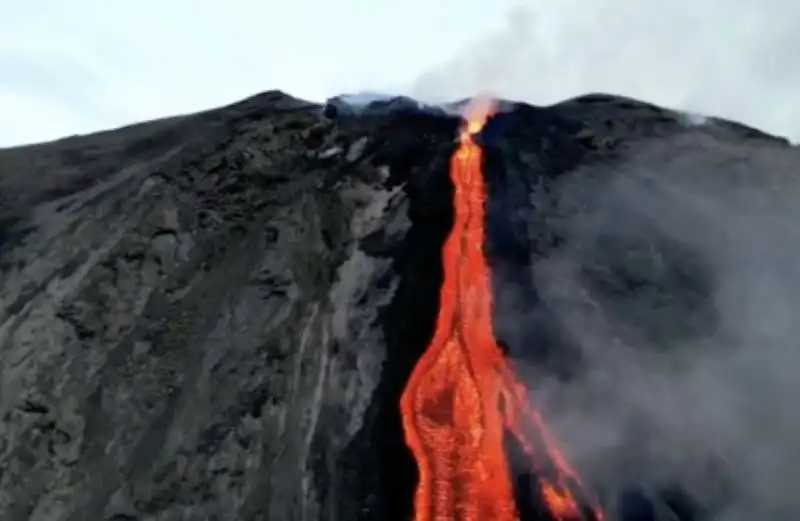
[(704, 399)]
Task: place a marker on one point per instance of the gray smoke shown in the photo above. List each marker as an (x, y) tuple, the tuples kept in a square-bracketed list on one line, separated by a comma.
[(375, 103), (714, 412)]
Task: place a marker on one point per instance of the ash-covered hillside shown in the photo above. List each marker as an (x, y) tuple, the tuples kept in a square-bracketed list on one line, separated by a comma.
[(212, 317)]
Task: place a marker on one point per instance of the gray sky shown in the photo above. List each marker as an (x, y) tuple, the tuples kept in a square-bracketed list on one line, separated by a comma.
[(75, 67)]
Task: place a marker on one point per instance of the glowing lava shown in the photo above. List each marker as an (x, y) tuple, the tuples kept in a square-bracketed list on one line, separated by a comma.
[(463, 393)]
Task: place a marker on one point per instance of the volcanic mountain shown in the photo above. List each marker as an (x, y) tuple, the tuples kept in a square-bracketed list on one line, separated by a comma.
[(226, 315)]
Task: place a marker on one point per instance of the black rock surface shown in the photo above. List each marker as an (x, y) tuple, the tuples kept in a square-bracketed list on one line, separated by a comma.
[(212, 317)]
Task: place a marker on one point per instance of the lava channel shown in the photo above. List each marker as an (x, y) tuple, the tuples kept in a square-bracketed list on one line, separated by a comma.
[(463, 395)]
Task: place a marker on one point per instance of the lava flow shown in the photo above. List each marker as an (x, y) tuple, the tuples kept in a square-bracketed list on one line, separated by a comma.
[(463, 395)]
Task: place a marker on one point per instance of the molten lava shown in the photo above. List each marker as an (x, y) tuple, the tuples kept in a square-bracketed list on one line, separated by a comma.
[(463, 395)]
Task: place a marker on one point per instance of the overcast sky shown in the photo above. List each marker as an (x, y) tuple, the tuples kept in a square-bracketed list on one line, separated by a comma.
[(84, 65)]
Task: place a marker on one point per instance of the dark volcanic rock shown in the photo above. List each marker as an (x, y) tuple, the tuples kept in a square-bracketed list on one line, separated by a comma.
[(212, 317)]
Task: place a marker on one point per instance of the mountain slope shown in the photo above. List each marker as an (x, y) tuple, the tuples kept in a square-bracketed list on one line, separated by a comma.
[(213, 316)]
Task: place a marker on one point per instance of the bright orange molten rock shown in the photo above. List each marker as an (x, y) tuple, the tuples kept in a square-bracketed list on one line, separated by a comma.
[(463, 393)]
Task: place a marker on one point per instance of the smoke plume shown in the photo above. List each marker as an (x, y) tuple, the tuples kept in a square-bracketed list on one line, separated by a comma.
[(675, 393), (733, 59)]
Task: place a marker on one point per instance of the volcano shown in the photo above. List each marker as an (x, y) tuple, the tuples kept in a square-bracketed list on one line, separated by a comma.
[(281, 310)]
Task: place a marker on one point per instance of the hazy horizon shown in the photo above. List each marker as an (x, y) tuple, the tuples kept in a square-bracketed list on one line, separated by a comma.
[(88, 66)]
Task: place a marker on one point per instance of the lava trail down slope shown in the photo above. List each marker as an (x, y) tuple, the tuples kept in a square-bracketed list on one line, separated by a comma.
[(463, 392), (218, 315)]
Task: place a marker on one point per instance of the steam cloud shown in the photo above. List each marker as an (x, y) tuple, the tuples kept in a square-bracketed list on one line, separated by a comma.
[(734, 59)]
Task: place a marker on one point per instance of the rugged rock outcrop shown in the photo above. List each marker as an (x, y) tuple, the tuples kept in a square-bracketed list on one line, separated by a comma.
[(212, 317)]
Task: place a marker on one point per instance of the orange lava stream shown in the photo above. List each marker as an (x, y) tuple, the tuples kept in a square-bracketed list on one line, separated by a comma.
[(463, 393)]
